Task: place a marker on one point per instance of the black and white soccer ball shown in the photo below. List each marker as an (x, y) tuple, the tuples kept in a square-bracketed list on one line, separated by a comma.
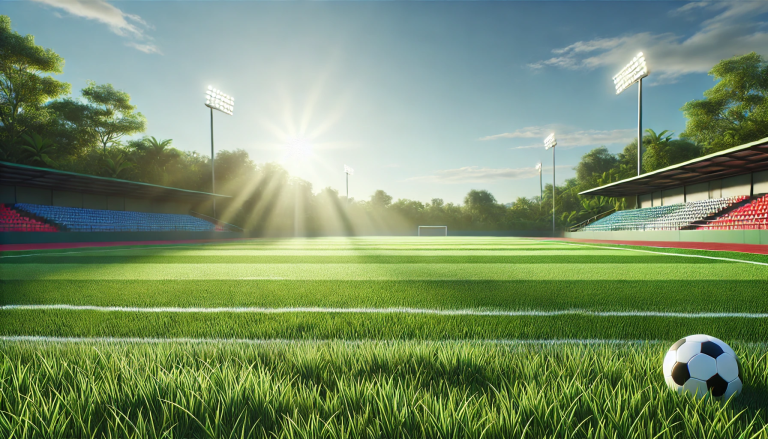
[(700, 364)]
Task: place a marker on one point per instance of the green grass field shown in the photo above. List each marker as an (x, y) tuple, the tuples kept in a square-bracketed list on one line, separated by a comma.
[(373, 337)]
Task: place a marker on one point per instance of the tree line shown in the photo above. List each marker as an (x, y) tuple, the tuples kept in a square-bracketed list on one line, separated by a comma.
[(95, 132)]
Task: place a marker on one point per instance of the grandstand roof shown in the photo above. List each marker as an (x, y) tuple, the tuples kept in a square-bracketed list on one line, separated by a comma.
[(739, 160), (23, 175)]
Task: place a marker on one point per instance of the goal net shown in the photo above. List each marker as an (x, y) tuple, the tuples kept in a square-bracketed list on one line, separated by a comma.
[(433, 230)]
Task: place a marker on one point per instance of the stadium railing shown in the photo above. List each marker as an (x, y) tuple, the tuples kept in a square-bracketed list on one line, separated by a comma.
[(599, 216)]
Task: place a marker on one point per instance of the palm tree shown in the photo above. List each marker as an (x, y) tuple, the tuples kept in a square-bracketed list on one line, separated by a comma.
[(116, 164), (157, 155), (40, 148)]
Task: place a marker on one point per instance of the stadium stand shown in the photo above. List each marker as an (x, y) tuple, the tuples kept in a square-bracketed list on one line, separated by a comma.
[(671, 217), (93, 220), (13, 221), (753, 216)]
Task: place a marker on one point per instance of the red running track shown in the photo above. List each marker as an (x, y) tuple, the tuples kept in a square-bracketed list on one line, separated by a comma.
[(67, 245), (716, 246)]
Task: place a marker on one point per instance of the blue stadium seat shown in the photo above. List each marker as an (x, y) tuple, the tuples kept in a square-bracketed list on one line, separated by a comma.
[(95, 220), (671, 217)]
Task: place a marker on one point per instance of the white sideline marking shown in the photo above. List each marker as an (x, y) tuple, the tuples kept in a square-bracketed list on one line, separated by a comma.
[(264, 341), (90, 250), (668, 254), (439, 312)]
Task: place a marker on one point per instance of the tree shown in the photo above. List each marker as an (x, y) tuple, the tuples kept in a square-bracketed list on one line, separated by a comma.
[(111, 115), (593, 164), (381, 199), (483, 207), (735, 110), (153, 156), (663, 151), (39, 148), (23, 86), (69, 126), (116, 163)]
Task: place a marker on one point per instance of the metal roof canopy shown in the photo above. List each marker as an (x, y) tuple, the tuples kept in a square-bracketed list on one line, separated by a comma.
[(738, 160), (23, 175)]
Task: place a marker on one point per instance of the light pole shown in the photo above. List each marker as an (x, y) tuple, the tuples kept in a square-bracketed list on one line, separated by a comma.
[(550, 142), (216, 100), (635, 71), (541, 184), (348, 171)]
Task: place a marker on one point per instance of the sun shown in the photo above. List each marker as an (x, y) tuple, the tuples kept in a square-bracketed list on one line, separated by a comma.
[(299, 149)]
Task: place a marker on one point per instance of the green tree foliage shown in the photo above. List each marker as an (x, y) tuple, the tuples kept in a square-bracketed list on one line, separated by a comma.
[(662, 151), (381, 199), (735, 110), (110, 115), (24, 84), (39, 149), (115, 162), (593, 164)]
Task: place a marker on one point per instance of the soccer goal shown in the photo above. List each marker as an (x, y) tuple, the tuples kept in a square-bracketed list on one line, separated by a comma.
[(433, 230)]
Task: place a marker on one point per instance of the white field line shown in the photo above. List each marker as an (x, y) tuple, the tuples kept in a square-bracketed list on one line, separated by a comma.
[(669, 254), (93, 250), (423, 311), (39, 338), (358, 342)]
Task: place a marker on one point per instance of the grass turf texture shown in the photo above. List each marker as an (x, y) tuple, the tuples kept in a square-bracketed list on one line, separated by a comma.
[(418, 386), (363, 390)]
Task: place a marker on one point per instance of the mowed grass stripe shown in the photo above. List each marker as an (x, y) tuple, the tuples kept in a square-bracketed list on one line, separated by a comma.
[(140, 252), (398, 310), (598, 295), (59, 323), (624, 258), (615, 271)]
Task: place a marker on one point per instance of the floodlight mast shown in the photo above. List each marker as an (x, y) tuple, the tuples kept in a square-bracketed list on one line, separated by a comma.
[(541, 184), (348, 171), (551, 142), (633, 72), (216, 100)]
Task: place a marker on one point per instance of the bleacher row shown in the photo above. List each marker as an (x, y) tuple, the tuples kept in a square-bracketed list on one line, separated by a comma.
[(94, 220), (12, 221), (753, 216), (670, 217)]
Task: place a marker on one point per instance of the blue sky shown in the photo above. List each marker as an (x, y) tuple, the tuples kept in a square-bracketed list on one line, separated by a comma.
[(422, 99)]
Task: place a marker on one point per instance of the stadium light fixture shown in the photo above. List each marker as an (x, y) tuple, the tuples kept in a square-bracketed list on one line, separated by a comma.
[(216, 100), (633, 72), (551, 142), (541, 184), (348, 171)]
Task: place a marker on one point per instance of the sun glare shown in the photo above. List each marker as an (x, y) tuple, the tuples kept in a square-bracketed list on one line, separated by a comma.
[(299, 149)]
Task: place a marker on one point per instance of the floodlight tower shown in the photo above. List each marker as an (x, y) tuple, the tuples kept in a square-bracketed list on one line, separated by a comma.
[(348, 171), (551, 142), (635, 71), (216, 100), (541, 184)]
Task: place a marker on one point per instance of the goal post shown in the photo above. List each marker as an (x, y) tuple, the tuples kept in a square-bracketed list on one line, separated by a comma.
[(433, 231)]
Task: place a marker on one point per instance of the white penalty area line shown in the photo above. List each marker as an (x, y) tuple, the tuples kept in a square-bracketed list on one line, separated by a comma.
[(419, 311), (668, 254), (286, 341)]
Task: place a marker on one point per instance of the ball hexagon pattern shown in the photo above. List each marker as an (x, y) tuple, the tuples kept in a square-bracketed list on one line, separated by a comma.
[(702, 365)]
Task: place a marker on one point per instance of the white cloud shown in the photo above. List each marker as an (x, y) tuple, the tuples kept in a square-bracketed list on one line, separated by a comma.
[(476, 174), (123, 24), (567, 138), (733, 30)]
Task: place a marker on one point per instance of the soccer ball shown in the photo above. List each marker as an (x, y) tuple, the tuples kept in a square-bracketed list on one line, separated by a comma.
[(699, 364)]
